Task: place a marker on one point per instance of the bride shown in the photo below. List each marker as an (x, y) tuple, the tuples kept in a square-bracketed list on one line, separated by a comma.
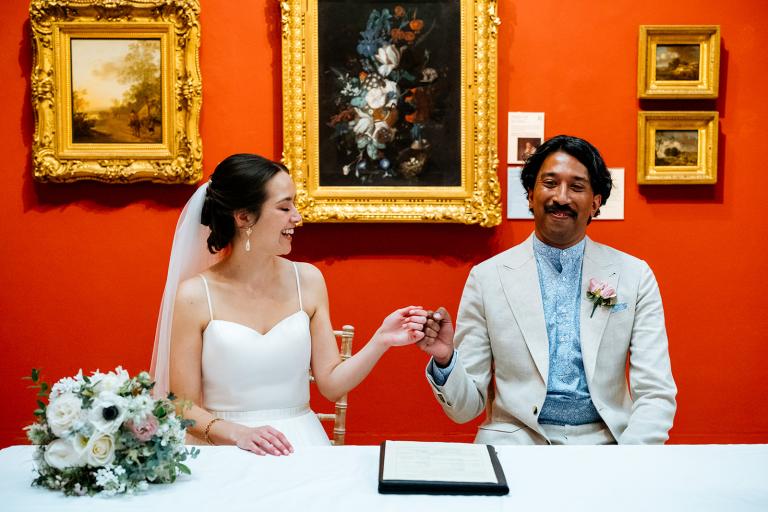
[(240, 326)]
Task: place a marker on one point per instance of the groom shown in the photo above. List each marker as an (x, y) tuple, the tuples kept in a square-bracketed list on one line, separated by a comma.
[(545, 329)]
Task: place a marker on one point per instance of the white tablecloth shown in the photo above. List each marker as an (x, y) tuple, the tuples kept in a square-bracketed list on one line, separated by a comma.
[(541, 478)]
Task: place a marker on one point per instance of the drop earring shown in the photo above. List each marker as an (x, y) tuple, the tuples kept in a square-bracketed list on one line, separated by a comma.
[(248, 232)]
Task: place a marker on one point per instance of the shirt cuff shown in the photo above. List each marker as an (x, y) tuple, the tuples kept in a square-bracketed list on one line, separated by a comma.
[(440, 375)]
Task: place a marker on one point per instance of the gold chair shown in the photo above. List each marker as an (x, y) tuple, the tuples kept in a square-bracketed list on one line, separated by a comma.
[(339, 415)]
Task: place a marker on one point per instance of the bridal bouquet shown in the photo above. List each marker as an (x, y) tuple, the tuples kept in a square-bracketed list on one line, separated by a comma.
[(106, 434)]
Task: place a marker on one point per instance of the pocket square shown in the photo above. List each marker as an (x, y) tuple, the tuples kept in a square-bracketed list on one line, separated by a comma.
[(619, 307)]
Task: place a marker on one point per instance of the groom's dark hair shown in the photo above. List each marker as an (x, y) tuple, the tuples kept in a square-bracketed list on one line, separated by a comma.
[(239, 182)]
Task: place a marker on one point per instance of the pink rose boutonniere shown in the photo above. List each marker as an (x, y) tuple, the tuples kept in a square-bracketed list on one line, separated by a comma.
[(600, 294)]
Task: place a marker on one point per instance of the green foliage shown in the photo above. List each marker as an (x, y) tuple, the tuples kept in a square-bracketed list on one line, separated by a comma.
[(42, 391)]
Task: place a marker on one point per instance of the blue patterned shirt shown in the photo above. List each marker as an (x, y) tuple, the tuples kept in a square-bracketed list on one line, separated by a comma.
[(568, 401)]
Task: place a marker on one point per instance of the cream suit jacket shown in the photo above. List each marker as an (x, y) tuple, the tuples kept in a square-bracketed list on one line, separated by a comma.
[(503, 350)]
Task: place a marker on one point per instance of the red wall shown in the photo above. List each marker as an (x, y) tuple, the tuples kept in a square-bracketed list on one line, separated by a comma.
[(83, 265)]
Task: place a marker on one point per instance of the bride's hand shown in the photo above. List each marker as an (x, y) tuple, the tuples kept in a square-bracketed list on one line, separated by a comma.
[(263, 440), (404, 326)]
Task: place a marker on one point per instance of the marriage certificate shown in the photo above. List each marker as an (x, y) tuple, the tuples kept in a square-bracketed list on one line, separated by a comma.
[(438, 462)]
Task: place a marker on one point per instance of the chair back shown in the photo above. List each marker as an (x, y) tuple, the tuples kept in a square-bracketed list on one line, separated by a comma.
[(339, 415)]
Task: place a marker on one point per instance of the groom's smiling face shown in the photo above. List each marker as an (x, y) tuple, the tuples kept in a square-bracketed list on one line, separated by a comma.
[(274, 229), (562, 201)]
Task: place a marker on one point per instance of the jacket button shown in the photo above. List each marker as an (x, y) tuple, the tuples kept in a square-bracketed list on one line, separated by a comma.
[(535, 410)]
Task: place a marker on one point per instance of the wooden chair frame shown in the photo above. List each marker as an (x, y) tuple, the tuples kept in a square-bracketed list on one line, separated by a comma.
[(339, 415)]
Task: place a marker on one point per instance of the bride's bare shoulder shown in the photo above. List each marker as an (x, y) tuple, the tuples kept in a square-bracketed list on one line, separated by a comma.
[(191, 292), (310, 275)]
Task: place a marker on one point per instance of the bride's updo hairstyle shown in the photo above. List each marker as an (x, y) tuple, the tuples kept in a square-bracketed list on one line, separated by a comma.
[(239, 182)]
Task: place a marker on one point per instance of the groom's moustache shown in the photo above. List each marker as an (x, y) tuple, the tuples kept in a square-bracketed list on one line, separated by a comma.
[(554, 208)]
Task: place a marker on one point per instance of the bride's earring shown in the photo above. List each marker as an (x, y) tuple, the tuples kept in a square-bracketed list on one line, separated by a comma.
[(248, 232)]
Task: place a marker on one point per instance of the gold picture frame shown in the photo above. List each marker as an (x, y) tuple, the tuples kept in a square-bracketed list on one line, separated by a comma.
[(678, 61), (116, 90), (424, 167), (677, 148)]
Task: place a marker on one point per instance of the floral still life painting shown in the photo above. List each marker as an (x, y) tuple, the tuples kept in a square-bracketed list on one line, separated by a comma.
[(105, 434), (391, 113)]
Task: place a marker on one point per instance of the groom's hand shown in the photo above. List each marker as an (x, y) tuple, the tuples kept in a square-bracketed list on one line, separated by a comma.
[(438, 337)]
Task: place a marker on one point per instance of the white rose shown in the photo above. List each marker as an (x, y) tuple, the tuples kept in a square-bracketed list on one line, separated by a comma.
[(108, 412), (382, 96), (63, 454), (62, 413), (110, 382), (100, 450), (376, 97)]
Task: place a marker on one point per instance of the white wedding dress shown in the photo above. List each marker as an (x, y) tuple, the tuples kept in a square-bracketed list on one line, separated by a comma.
[(260, 379)]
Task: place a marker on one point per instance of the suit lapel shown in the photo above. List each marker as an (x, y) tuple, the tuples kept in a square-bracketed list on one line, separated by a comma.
[(598, 265), (520, 281)]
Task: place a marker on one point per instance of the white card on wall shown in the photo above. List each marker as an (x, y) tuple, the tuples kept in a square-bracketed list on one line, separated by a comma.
[(614, 207), (525, 132), (517, 202)]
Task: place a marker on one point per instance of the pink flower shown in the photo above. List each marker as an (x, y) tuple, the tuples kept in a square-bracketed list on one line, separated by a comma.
[(145, 430), (600, 294)]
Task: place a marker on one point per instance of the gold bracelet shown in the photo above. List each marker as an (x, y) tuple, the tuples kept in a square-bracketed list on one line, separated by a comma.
[(208, 431)]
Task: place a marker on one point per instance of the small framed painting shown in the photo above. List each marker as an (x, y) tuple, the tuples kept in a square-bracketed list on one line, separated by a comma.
[(677, 148), (678, 61)]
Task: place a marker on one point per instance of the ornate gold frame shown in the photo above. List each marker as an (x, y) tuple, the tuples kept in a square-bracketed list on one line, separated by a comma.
[(708, 39), (703, 173), (476, 201), (178, 158)]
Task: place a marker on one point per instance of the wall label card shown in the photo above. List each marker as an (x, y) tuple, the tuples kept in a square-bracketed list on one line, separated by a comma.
[(525, 132)]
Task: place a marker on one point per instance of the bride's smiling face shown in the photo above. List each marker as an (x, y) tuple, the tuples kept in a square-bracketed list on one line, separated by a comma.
[(273, 231)]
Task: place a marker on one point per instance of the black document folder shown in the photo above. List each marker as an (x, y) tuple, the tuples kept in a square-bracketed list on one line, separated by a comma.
[(392, 486)]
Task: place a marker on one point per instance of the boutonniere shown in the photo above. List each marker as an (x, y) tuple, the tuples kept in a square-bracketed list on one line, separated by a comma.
[(600, 294)]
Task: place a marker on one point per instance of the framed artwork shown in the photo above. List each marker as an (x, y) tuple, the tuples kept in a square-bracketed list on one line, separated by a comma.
[(678, 61), (390, 110), (116, 90), (677, 148)]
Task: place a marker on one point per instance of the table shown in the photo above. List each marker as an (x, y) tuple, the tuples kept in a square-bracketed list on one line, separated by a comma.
[(675, 478)]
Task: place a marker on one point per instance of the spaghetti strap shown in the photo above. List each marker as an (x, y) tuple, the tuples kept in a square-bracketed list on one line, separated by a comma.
[(207, 295), (298, 285)]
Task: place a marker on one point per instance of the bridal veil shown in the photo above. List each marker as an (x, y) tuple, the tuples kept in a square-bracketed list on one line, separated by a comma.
[(189, 256)]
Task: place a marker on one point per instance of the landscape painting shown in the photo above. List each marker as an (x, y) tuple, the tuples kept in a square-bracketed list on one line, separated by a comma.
[(677, 147), (116, 91), (677, 61)]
